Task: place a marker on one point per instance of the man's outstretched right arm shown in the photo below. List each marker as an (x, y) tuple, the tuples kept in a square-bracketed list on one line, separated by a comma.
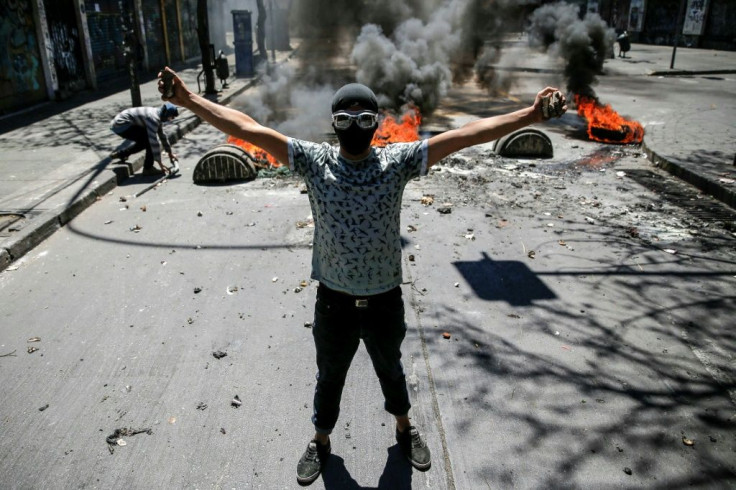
[(227, 120)]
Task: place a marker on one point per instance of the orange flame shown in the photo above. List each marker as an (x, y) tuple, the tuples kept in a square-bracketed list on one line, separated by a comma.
[(605, 124), (398, 129), (265, 159)]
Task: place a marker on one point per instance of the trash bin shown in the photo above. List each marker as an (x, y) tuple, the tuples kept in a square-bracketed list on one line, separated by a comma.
[(243, 34)]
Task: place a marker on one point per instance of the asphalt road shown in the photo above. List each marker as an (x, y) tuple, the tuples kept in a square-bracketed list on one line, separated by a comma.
[(588, 305)]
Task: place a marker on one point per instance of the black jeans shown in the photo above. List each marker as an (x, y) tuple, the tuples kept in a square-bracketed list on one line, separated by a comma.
[(139, 135), (340, 321)]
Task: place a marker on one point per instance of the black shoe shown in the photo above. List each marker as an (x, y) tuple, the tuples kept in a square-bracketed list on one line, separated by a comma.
[(311, 463), (151, 171), (414, 448)]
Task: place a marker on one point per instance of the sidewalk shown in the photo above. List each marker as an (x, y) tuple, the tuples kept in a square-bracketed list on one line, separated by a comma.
[(52, 169), (55, 167)]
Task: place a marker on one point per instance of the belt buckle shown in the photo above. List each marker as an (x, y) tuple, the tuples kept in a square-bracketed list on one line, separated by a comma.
[(361, 303)]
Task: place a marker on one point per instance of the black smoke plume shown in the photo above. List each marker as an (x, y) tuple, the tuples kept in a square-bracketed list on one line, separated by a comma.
[(582, 44)]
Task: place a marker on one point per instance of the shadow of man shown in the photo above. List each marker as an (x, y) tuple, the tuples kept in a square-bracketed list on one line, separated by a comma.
[(396, 473)]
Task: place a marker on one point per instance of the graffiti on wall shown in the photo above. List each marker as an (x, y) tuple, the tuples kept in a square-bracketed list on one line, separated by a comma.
[(65, 43), (20, 62)]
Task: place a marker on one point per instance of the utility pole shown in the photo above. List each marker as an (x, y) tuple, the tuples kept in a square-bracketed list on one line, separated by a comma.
[(677, 32), (261, 31), (130, 53), (203, 33)]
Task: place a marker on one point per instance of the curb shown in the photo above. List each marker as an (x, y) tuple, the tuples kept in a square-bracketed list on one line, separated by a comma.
[(678, 73), (42, 226), (708, 186), (39, 228)]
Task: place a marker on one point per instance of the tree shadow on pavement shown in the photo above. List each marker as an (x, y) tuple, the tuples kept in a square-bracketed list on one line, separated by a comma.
[(597, 386)]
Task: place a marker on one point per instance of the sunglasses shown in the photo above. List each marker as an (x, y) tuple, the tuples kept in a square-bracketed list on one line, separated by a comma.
[(365, 120)]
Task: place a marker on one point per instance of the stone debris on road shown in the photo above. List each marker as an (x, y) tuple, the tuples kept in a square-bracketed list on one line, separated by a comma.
[(116, 438)]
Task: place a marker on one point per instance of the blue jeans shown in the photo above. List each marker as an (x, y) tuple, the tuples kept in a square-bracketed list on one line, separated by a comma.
[(339, 324)]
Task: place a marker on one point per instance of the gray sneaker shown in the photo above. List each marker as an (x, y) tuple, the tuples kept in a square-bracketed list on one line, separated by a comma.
[(311, 463), (414, 448)]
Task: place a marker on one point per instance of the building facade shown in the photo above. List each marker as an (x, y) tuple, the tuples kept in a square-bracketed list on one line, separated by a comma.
[(707, 24), (50, 49)]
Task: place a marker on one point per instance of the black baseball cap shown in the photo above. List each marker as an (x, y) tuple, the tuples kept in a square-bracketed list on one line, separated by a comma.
[(352, 94)]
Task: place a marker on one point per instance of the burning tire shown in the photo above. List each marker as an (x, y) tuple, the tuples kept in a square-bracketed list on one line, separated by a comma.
[(619, 135), (225, 163), (605, 124)]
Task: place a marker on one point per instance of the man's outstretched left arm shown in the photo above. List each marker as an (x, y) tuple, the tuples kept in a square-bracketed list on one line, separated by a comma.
[(490, 128)]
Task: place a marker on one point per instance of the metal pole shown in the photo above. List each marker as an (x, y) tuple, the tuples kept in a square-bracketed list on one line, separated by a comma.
[(273, 34), (677, 32), (130, 52)]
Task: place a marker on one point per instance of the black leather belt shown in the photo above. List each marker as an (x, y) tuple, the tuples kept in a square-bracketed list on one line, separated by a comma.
[(358, 301)]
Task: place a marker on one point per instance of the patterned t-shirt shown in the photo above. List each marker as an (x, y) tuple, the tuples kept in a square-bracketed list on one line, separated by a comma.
[(356, 207)]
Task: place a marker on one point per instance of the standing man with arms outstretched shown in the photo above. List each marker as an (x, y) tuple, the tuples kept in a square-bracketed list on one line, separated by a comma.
[(355, 192)]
